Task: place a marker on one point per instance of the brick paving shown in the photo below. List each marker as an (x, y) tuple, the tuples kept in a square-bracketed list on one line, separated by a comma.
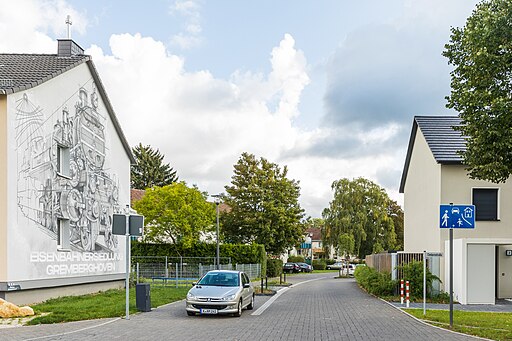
[(324, 309)]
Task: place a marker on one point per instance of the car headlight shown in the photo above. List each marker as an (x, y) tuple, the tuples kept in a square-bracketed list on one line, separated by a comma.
[(191, 296), (229, 297)]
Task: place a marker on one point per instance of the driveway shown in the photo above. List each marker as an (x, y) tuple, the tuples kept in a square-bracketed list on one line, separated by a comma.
[(316, 307)]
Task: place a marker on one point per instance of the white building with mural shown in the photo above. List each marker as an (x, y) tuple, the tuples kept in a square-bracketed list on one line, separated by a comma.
[(64, 171)]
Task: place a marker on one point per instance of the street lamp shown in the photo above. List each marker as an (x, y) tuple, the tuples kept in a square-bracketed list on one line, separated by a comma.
[(217, 203)]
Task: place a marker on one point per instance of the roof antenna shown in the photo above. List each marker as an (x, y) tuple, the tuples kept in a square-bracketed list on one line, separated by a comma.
[(69, 23)]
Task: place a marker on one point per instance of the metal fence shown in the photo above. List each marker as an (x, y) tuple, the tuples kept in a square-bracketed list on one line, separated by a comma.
[(182, 270), (392, 263)]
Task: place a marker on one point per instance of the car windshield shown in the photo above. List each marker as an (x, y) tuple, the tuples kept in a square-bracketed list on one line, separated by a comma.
[(220, 279)]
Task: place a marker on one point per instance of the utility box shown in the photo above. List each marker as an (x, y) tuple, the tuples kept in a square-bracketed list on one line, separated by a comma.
[(143, 297)]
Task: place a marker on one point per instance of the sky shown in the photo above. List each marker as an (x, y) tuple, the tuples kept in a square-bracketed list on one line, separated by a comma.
[(327, 88)]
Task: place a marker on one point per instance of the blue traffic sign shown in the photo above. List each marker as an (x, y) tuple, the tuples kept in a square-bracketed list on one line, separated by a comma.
[(457, 216)]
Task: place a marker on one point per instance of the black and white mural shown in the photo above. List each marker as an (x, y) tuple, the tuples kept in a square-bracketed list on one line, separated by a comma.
[(87, 194)]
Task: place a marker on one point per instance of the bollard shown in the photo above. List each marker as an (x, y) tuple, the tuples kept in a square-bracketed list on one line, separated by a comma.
[(280, 279), (262, 285), (401, 291), (284, 274), (407, 294), (266, 282)]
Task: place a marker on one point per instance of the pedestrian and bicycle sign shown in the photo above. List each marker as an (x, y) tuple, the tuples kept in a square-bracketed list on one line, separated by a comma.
[(457, 216)]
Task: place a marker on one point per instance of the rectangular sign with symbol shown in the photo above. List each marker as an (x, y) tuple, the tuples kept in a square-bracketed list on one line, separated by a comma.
[(457, 216)]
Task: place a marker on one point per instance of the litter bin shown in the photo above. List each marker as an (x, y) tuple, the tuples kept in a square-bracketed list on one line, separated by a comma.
[(143, 297)]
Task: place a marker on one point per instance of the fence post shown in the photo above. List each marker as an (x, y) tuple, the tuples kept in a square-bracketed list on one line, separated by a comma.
[(401, 291), (166, 268), (407, 294), (137, 272), (176, 275)]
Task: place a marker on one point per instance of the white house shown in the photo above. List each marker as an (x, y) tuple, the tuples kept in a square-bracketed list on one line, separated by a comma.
[(434, 175), (64, 171)]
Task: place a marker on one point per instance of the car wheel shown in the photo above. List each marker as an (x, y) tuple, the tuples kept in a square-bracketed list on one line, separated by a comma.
[(239, 311), (190, 313), (251, 305)]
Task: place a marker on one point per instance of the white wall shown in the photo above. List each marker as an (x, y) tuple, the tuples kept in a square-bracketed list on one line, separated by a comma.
[(421, 199), (480, 274)]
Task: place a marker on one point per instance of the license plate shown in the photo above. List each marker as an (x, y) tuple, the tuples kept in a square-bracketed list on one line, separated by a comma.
[(208, 311)]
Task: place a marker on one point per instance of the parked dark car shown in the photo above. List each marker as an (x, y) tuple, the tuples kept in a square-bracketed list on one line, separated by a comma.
[(305, 267), (291, 267)]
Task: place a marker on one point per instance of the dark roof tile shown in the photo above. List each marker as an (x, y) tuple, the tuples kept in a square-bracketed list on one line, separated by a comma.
[(444, 141), (23, 71)]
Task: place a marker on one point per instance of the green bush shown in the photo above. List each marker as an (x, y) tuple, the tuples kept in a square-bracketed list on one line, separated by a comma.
[(274, 267), (374, 282), (296, 259), (413, 272), (319, 264), (239, 253), (330, 261)]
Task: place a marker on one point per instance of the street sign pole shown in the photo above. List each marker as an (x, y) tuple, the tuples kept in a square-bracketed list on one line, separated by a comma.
[(424, 283), (127, 285), (451, 278)]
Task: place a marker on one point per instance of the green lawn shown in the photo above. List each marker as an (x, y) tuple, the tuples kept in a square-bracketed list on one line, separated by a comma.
[(495, 326), (110, 303)]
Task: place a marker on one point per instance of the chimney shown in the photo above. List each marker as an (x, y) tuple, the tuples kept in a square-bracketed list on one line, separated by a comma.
[(68, 48)]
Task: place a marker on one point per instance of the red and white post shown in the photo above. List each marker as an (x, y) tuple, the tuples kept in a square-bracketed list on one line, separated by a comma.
[(407, 294), (402, 291)]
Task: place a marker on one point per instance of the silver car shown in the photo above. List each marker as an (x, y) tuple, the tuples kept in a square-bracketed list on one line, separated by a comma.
[(221, 292)]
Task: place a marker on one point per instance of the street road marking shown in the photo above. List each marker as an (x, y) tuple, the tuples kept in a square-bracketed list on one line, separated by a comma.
[(74, 331), (267, 304)]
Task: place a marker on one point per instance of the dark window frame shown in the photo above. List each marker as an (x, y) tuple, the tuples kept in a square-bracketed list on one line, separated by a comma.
[(487, 203)]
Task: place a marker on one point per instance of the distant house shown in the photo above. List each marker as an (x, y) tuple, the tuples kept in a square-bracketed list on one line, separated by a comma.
[(64, 171), (318, 250), (433, 175)]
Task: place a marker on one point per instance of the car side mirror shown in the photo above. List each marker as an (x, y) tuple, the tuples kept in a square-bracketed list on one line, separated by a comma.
[(247, 285), (194, 284)]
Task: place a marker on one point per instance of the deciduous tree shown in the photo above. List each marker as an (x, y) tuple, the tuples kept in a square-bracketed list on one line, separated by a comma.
[(481, 53), (359, 208), (264, 206), (175, 213)]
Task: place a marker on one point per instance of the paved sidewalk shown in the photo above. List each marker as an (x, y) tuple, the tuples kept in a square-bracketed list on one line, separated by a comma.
[(501, 306)]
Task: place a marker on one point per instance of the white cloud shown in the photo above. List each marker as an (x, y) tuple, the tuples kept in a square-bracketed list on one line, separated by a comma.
[(202, 124), (26, 25), (191, 12)]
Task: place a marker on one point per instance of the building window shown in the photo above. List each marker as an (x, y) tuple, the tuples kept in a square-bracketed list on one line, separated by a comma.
[(63, 158), (63, 235), (486, 203)]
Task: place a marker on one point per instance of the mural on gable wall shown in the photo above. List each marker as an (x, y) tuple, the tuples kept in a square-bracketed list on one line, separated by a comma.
[(87, 196)]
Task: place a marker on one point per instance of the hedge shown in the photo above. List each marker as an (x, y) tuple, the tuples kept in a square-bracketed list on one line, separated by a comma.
[(319, 264), (296, 259), (274, 267), (239, 253)]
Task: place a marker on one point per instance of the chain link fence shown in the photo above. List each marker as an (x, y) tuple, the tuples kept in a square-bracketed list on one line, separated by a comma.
[(183, 270)]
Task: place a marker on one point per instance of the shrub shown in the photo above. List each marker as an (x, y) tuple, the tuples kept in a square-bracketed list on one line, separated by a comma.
[(239, 253), (374, 282), (413, 272), (330, 261), (319, 264), (296, 259), (274, 267)]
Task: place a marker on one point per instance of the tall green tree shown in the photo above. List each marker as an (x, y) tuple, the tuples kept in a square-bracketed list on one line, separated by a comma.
[(360, 208), (150, 169), (264, 206), (175, 213), (396, 213), (481, 53)]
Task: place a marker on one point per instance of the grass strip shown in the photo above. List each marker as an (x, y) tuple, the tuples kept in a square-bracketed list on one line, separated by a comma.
[(105, 304), (490, 325)]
